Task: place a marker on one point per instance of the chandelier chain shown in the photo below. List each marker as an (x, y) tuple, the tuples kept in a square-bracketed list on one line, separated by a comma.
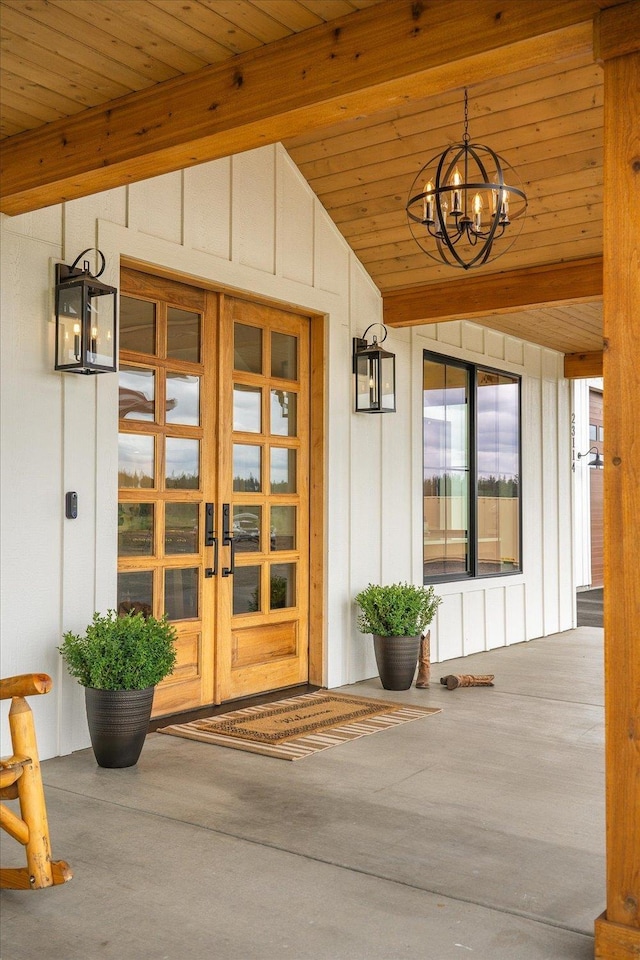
[(466, 136)]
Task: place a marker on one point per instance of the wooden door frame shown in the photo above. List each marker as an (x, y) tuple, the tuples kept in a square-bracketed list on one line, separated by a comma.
[(318, 326), (317, 502)]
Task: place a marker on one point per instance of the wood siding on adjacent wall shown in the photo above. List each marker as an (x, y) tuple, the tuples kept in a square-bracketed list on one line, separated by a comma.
[(251, 224)]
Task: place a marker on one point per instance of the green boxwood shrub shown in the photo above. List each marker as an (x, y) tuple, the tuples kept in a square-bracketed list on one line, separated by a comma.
[(121, 653), (396, 610)]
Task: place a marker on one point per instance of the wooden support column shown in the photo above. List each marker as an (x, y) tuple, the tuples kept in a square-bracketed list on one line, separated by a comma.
[(617, 931)]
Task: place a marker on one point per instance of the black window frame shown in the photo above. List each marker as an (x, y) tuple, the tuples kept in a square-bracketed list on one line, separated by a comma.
[(472, 374)]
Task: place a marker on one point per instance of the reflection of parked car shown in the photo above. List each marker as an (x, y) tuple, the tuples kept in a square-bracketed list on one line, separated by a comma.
[(246, 529), (246, 526)]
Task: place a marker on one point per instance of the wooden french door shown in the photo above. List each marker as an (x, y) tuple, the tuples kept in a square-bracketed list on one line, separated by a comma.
[(213, 513)]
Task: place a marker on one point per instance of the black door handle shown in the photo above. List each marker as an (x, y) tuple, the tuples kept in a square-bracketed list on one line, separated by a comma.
[(210, 539), (228, 541)]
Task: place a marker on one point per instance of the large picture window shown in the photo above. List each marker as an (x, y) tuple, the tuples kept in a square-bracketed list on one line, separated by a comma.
[(471, 476)]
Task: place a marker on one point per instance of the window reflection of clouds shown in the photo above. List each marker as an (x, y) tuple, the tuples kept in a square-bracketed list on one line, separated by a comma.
[(183, 399), (135, 460), (446, 421), (182, 457), (497, 436), (246, 465), (279, 466), (135, 450), (247, 409)]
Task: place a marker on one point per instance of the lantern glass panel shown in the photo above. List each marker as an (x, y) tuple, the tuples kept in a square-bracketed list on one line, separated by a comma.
[(69, 312), (101, 323), (388, 382), (365, 382)]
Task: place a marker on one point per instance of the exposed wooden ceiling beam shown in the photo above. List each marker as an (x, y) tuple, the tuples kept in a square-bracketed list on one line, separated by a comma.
[(580, 365), (483, 295), (393, 52), (617, 32)]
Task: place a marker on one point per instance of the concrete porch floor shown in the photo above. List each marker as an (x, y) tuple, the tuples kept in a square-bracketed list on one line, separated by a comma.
[(477, 832)]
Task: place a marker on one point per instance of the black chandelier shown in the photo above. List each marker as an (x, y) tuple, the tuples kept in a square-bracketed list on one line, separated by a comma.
[(466, 213)]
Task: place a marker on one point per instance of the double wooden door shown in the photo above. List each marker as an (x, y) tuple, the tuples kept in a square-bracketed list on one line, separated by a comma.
[(213, 513)]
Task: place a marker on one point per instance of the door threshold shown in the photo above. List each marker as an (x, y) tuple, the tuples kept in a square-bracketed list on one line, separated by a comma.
[(214, 710)]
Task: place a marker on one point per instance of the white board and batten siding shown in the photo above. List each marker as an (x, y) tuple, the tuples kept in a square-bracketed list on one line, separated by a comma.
[(249, 224)]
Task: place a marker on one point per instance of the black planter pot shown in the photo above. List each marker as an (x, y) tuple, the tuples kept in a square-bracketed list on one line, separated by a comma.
[(118, 722), (397, 659)]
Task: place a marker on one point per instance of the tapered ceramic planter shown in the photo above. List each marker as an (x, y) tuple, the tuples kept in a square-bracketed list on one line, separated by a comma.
[(118, 722), (397, 659)]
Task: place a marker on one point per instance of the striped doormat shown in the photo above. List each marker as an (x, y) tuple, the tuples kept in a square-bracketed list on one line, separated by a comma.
[(298, 727)]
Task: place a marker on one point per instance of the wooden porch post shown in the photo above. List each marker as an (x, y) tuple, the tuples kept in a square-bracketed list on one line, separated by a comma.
[(617, 931)]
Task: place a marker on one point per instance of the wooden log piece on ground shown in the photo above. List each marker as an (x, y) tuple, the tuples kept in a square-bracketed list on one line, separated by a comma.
[(424, 662), (467, 680)]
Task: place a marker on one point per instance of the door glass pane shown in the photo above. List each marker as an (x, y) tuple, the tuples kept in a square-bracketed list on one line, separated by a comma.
[(246, 590), (135, 529), (247, 520), (247, 408), (284, 356), (498, 479), (183, 334), (284, 410), (135, 593), (135, 460), (246, 468), (247, 348), (446, 469), (283, 470), (283, 528), (181, 528), (182, 464), (282, 585), (137, 325), (183, 399), (181, 593), (136, 393)]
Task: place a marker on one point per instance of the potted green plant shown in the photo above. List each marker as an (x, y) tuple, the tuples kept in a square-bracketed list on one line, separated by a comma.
[(396, 615), (119, 661)]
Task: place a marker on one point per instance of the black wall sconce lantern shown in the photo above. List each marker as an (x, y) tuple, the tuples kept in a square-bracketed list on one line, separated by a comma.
[(85, 319), (597, 460), (375, 371)]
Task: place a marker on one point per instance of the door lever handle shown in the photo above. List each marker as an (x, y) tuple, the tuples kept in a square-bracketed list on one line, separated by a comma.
[(228, 541), (210, 539)]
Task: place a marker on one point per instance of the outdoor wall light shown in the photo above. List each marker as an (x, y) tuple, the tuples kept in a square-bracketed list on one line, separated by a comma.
[(597, 461), (85, 319), (375, 374)]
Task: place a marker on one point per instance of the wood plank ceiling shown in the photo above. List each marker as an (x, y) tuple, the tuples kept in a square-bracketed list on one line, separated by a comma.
[(60, 57)]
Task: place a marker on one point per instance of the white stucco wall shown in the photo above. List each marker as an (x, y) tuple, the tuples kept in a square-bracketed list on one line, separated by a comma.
[(248, 223)]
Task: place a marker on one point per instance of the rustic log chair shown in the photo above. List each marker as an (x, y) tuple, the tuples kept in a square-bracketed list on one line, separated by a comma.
[(20, 779)]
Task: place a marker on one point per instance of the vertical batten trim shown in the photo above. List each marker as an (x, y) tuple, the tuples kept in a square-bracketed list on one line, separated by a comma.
[(278, 215)]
